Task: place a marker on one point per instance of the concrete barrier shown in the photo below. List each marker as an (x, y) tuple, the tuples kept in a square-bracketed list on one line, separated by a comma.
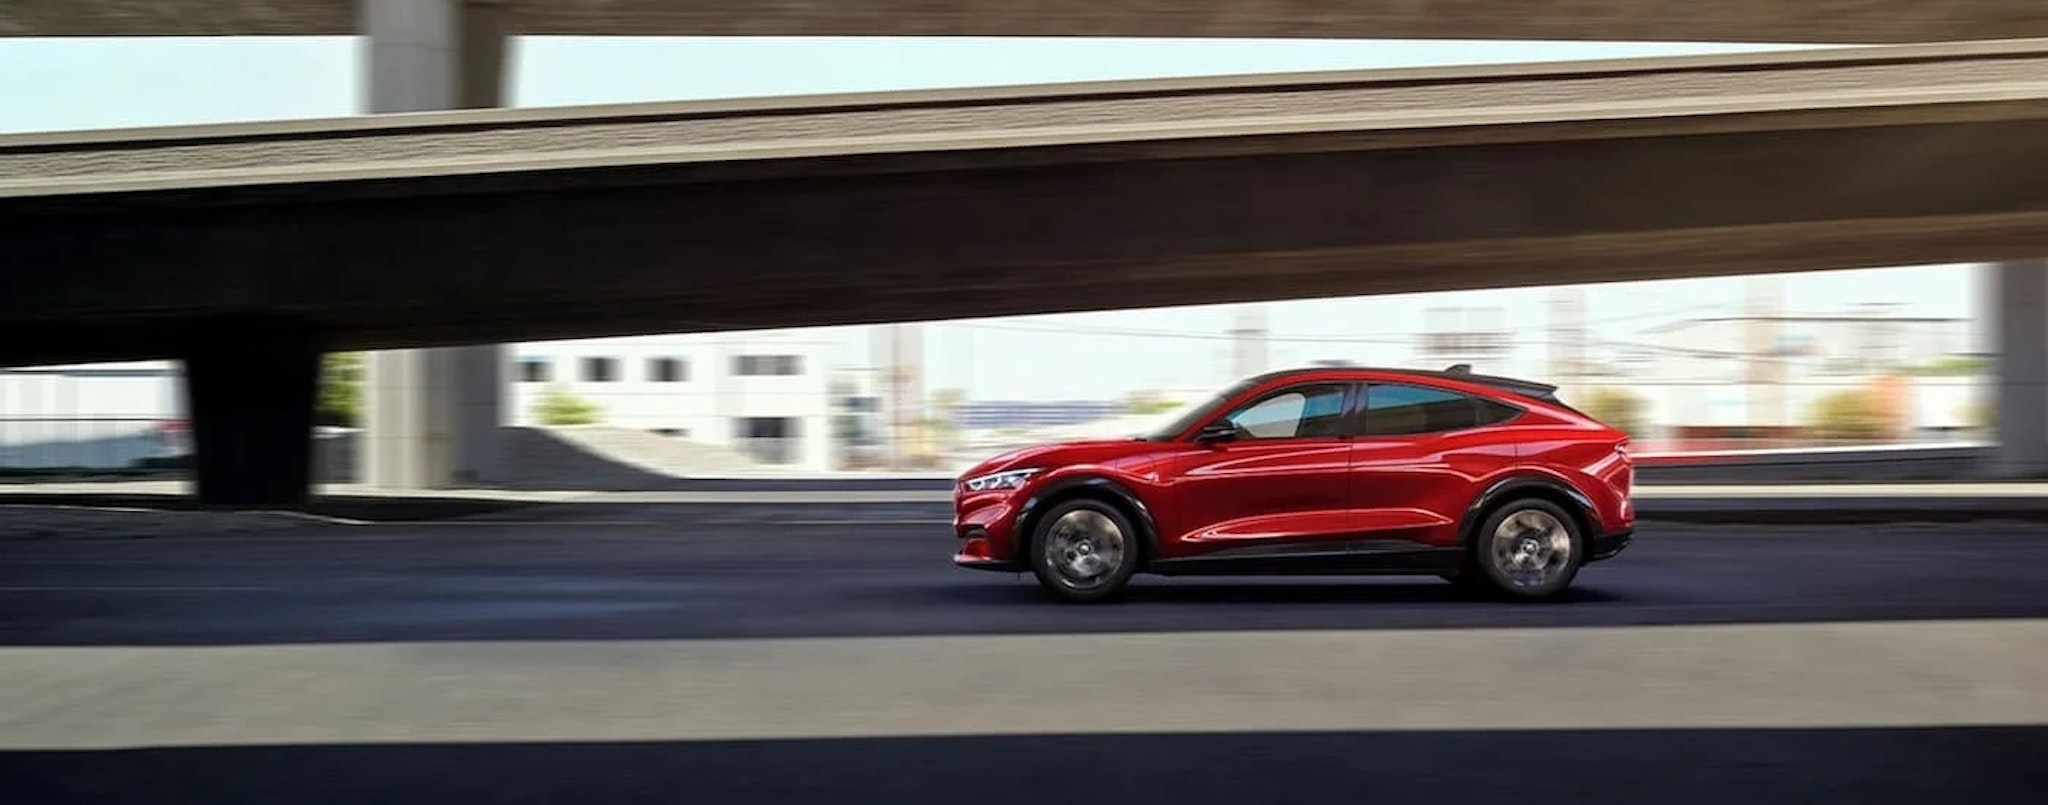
[(1934, 462)]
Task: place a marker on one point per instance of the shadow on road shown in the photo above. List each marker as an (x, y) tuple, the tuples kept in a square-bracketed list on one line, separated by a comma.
[(1981, 766), (566, 581)]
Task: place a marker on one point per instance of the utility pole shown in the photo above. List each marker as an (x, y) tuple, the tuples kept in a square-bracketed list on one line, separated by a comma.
[(1763, 372), (1248, 341), (1567, 337), (902, 352)]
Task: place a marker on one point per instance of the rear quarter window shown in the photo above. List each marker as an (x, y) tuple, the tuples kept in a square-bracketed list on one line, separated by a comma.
[(1488, 412)]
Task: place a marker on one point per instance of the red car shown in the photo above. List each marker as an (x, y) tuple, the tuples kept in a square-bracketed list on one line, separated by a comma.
[(1485, 481)]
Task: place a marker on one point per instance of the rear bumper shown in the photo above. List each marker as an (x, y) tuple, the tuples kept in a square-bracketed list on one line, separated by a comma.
[(1606, 546)]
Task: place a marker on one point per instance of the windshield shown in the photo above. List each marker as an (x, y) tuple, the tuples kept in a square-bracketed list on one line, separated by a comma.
[(1188, 418)]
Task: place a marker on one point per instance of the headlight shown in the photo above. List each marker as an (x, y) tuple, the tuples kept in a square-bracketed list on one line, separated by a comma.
[(1009, 479)]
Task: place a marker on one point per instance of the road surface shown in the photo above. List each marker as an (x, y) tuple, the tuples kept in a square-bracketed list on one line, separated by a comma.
[(793, 653)]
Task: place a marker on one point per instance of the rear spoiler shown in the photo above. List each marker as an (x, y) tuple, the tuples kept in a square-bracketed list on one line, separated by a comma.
[(1524, 388)]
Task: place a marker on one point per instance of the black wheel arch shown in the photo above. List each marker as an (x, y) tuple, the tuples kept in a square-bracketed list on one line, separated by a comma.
[(1518, 487), (1095, 487)]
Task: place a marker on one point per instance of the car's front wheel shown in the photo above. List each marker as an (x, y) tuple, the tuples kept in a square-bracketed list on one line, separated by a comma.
[(1529, 549), (1084, 550)]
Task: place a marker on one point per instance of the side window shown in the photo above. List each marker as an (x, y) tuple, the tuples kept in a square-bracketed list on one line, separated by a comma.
[(1297, 413), (1393, 409), (1489, 412)]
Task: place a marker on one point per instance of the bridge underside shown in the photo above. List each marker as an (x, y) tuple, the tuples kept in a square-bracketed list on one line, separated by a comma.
[(1806, 21), (477, 259), (246, 252)]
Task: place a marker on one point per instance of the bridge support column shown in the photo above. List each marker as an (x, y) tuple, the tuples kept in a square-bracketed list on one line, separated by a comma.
[(249, 386), (2019, 311), (433, 416)]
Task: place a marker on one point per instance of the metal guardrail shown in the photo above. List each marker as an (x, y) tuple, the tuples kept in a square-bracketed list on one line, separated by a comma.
[(1918, 462)]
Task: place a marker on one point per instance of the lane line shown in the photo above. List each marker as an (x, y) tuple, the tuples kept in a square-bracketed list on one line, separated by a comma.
[(1839, 675), (878, 521), (521, 523), (173, 588)]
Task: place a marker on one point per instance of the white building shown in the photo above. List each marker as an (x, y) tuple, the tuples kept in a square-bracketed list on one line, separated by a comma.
[(1756, 377), (766, 393), (99, 416), (1726, 350)]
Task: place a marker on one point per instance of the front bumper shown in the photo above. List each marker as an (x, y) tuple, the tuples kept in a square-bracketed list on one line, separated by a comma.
[(983, 523), (977, 552)]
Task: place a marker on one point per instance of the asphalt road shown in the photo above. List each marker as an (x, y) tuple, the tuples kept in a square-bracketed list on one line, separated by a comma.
[(831, 654)]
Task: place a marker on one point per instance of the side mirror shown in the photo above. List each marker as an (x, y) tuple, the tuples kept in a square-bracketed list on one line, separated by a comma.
[(1216, 432)]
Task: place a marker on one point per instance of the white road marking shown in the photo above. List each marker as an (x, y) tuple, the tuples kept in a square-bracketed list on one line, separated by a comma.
[(1841, 675), (568, 523), (10, 588), (878, 521)]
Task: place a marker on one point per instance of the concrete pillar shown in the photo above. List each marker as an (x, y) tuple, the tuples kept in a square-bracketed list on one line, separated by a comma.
[(432, 55), (249, 387), (433, 417), (2019, 312)]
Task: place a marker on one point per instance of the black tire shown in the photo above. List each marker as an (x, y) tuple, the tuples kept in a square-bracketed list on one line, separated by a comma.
[(1513, 570), (1084, 518)]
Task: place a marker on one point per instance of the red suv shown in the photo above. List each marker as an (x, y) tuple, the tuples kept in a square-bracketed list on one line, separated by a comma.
[(1485, 481)]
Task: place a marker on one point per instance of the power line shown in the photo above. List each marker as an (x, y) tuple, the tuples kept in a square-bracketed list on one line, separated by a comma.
[(1191, 336), (1405, 338)]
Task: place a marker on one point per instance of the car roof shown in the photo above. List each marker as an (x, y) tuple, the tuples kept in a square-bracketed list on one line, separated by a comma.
[(1458, 374)]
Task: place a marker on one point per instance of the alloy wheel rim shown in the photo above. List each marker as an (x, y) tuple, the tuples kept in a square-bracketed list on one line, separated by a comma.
[(1084, 548), (1531, 548)]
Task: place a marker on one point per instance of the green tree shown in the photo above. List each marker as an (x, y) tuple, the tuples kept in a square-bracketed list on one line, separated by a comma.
[(1146, 402), (1952, 366), (1618, 409), (945, 436), (340, 400), (1849, 415), (558, 407), (1981, 416), (947, 402)]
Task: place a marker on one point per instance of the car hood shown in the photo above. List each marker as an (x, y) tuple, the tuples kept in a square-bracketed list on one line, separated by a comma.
[(1062, 454)]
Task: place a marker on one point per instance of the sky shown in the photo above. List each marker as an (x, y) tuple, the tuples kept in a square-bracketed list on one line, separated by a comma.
[(59, 84)]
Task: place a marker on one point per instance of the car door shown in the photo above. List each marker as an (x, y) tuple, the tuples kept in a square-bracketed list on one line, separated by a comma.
[(1419, 458), (1283, 478)]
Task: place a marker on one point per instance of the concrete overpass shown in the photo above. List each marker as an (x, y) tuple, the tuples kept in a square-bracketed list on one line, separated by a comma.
[(1806, 21), (428, 410), (247, 249)]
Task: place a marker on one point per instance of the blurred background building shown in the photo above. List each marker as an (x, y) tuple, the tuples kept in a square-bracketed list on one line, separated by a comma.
[(764, 394), (1739, 374)]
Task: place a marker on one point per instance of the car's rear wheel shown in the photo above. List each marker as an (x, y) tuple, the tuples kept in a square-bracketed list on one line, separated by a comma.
[(1528, 549), (1084, 550)]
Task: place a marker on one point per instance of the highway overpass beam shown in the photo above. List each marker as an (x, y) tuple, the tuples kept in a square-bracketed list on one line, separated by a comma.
[(249, 386), (433, 415), (2019, 309)]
